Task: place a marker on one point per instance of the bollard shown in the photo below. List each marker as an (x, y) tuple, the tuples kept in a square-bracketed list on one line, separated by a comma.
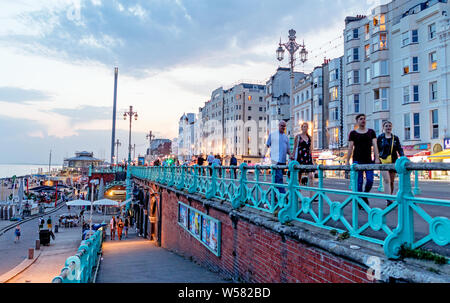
[(38, 244), (30, 253)]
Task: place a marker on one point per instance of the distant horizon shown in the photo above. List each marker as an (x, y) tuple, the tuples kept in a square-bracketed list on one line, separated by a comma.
[(30, 164)]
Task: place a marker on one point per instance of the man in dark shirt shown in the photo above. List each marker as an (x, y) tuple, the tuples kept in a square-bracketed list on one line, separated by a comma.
[(200, 160), (360, 143), (233, 162)]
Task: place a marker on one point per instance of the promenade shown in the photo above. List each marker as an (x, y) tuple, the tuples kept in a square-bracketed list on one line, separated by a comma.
[(132, 260)]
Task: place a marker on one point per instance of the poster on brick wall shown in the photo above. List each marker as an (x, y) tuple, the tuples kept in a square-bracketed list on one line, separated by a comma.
[(183, 216), (204, 228), (194, 222)]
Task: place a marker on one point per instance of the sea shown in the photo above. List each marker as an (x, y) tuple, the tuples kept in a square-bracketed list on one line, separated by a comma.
[(9, 170)]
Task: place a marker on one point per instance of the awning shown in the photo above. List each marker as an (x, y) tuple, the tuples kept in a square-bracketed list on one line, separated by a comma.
[(445, 154)]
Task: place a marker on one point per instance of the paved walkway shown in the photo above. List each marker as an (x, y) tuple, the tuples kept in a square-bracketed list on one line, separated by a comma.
[(137, 260)]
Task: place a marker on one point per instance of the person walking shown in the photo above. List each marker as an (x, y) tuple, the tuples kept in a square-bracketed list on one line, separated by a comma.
[(119, 228), (360, 143), (390, 149), (200, 160), (303, 155), (126, 225), (49, 223), (112, 226), (17, 233), (278, 143), (233, 162)]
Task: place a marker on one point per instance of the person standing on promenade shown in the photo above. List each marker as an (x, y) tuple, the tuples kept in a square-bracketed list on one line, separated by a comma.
[(233, 162), (49, 223), (126, 225), (112, 227), (303, 155), (17, 233), (119, 228), (390, 148), (200, 160), (278, 143), (360, 143)]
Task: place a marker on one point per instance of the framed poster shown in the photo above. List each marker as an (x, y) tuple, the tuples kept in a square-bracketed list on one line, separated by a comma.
[(183, 215), (204, 228)]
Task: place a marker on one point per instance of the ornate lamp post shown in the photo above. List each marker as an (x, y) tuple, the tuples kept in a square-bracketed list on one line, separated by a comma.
[(292, 47), (130, 114)]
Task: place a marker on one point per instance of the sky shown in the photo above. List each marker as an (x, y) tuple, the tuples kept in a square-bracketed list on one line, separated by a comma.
[(57, 60)]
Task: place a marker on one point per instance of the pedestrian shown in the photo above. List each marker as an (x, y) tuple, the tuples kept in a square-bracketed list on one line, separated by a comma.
[(210, 159), (17, 233), (200, 160), (112, 226), (126, 225), (390, 148), (41, 223), (233, 162), (360, 143), (278, 143), (119, 228), (303, 155), (218, 161)]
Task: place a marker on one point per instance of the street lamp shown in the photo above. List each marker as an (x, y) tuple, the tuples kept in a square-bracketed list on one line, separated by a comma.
[(292, 47), (130, 114)]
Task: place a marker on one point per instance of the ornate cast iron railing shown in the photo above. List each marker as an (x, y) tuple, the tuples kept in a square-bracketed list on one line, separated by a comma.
[(343, 210)]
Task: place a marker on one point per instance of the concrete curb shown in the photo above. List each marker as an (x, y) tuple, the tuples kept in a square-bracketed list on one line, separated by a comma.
[(18, 269)]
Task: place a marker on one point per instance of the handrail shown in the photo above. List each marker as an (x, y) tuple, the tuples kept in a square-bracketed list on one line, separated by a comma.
[(78, 268), (255, 187)]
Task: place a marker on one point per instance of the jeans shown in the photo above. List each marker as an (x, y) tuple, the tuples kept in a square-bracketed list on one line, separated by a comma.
[(369, 179), (279, 178)]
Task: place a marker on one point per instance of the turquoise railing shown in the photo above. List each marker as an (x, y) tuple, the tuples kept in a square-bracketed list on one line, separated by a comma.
[(79, 268), (332, 209), (106, 170)]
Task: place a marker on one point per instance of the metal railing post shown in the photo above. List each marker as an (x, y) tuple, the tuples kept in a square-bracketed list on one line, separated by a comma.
[(416, 183), (211, 192), (194, 183), (404, 233), (289, 211), (381, 185)]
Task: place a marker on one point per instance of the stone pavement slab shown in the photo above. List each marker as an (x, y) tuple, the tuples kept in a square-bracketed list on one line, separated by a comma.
[(137, 260)]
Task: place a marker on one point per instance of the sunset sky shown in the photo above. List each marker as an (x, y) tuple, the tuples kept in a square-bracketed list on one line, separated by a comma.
[(58, 57)]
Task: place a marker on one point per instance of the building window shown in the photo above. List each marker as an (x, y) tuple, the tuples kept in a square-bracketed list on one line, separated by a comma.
[(434, 124), (260, 99), (249, 118), (433, 61), (367, 51), (334, 114), (356, 103), (249, 98), (352, 54), (414, 36), (380, 68), (415, 64), (433, 91), (407, 126), (405, 66), (355, 33), (416, 120), (376, 126), (367, 78), (379, 23), (353, 77), (415, 93), (367, 31), (249, 108), (380, 99), (405, 94), (260, 109), (432, 31), (405, 38)]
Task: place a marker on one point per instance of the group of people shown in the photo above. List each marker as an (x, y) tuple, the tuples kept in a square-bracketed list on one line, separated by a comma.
[(116, 224), (386, 149)]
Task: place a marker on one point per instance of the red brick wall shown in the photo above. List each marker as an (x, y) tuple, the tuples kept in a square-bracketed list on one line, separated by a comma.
[(252, 253)]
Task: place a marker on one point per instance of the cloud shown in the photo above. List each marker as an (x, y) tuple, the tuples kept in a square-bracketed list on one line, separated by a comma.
[(143, 36), (20, 95), (86, 113)]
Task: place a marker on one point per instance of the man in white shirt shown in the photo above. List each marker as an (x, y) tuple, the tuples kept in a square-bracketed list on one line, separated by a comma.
[(278, 143)]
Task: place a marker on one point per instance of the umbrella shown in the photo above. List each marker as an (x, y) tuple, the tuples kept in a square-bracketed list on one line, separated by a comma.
[(106, 202), (79, 203)]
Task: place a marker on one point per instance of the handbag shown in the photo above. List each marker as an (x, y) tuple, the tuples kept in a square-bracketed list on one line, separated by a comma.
[(388, 159)]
